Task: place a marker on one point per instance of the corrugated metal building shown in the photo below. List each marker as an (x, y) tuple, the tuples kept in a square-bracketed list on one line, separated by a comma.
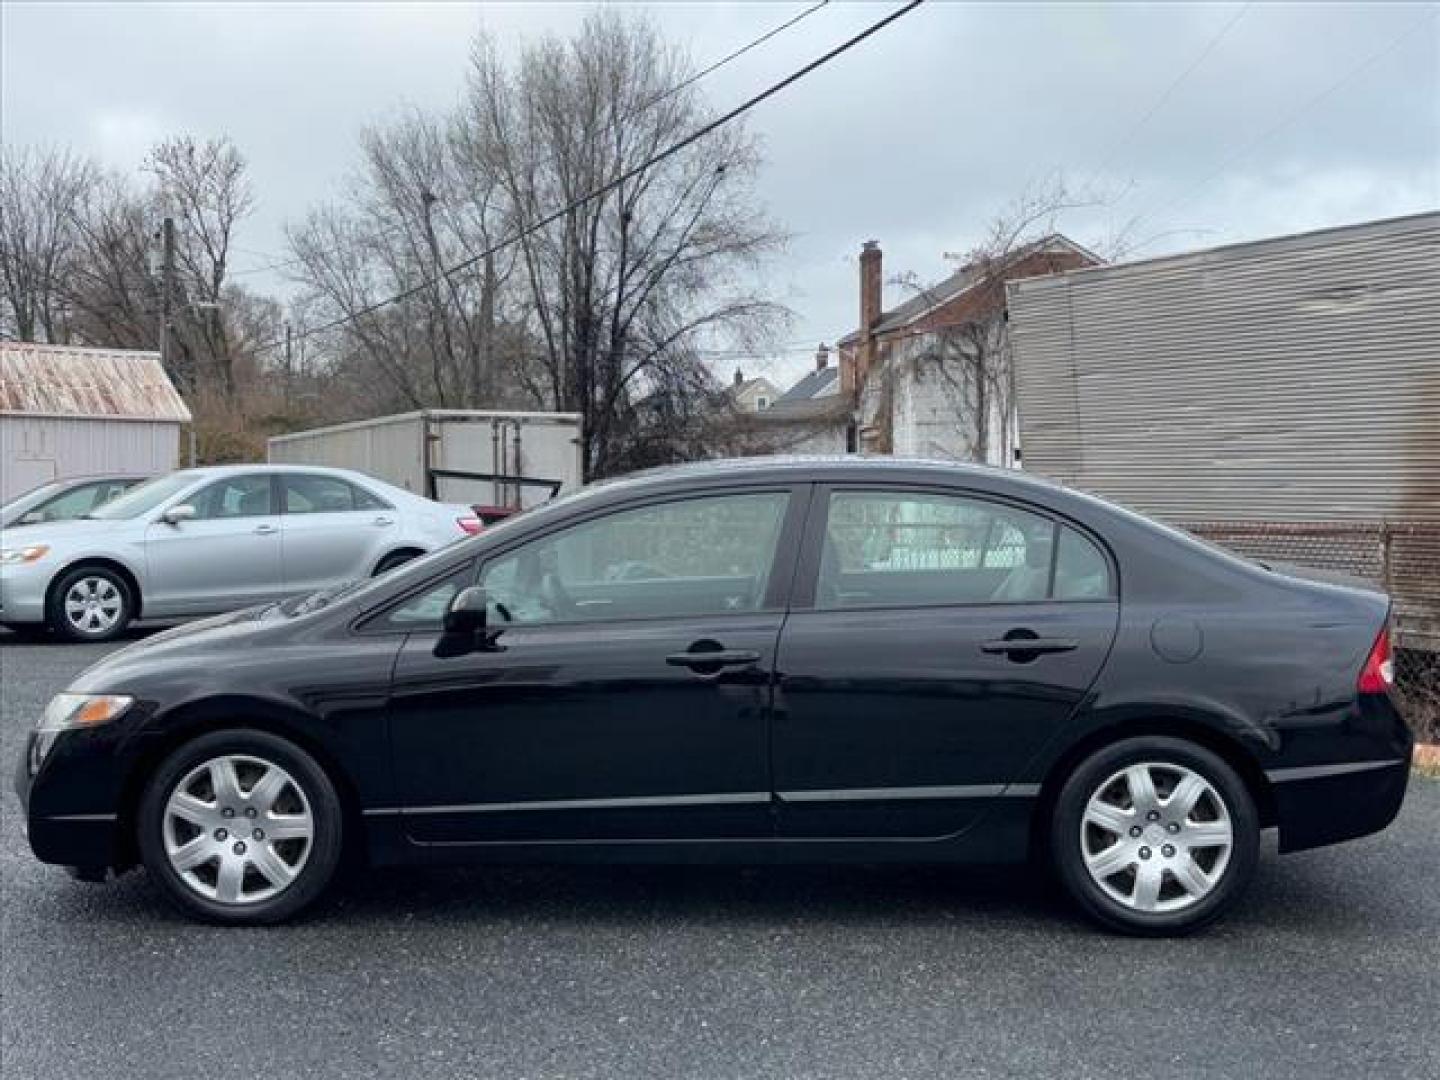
[(67, 411), (1259, 391)]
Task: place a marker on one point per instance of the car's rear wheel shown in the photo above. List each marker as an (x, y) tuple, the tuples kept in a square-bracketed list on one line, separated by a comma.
[(90, 603), (1155, 836), (241, 827), (394, 559)]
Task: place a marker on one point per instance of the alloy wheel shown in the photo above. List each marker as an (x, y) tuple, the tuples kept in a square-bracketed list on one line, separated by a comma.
[(1156, 837), (238, 829), (93, 605)]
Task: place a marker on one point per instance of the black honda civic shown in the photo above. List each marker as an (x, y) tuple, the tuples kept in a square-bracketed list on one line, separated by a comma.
[(771, 660)]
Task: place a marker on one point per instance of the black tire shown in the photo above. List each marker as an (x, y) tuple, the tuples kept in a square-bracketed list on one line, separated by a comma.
[(391, 561), (105, 579), (320, 859), (1228, 879)]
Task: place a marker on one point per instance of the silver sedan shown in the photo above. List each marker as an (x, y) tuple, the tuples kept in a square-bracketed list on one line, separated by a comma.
[(204, 541)]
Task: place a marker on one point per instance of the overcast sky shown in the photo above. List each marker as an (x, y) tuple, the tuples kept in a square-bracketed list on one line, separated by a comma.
[(1295, 117)]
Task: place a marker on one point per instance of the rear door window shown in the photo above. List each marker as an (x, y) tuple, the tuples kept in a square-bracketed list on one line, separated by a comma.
[(911, 549)]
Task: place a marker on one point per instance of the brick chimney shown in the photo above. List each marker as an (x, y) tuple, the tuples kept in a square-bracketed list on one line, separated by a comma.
[(852, 375), (822, 357), (869, 285)]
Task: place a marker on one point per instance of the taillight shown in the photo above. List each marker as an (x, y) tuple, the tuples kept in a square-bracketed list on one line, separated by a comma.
[(1378, 674), (469, 525)]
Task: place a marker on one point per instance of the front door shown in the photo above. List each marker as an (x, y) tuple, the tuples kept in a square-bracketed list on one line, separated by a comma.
[(627, 696), (226, 557), (948, 637)]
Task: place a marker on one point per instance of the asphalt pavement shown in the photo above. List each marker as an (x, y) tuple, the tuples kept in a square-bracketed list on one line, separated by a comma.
[(1331, 968)]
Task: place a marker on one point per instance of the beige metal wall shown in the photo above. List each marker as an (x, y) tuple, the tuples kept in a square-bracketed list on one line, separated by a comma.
[(1295, 379), (35, 449)]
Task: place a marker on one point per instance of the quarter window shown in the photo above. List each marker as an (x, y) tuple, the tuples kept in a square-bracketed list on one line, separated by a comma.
[(893, 549), (704, 556), (235, 496), (1081, 572)]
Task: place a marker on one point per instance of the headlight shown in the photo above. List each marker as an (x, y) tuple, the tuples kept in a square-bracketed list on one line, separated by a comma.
[(29, 554), (83, 710), (69, 711)]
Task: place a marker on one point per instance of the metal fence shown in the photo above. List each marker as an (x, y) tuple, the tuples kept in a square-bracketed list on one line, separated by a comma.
[(1403, 558)]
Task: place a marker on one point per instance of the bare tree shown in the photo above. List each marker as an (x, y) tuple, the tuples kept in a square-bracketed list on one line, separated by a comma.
[(111, 289), (420, 204), (205, 187), (620, 289), (40, 191), (970, 350)]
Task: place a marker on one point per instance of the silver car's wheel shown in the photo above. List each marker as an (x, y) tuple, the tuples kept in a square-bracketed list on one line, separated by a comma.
[(93, 605), (1156, 837), (238, 829)]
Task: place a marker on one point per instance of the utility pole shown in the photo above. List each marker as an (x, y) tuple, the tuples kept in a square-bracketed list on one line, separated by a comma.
[(167, 276)]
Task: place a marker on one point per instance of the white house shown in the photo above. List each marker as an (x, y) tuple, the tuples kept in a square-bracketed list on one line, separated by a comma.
[(67, 411)]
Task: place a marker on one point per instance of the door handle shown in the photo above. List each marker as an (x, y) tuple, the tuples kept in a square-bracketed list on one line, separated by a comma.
[(721, 658), (1035, 646), (265, 530)]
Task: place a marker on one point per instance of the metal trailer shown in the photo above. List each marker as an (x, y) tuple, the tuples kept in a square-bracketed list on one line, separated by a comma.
[(67, 411), (1281, 397), (506, 459)]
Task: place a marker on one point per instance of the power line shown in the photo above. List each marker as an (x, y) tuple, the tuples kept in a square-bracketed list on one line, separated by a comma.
[(643, 107), (1289, 118), (1159, 104), (628, 174)]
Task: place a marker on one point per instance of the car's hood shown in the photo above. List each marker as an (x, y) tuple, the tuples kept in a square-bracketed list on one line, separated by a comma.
[(228, 631), (60, 532)]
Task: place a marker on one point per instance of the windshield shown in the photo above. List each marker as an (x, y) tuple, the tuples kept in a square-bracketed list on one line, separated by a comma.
[(31, 496), (143, 497)]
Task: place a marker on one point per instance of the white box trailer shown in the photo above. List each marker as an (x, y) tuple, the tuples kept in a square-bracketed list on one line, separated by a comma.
[(509, 459)]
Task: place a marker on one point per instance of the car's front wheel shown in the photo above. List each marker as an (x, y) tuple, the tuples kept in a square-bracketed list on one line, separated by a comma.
[(90, 603), (241, 827), (1155, 836)]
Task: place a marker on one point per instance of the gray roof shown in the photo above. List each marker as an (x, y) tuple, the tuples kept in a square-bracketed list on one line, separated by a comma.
[(964, 278), (813, 385)]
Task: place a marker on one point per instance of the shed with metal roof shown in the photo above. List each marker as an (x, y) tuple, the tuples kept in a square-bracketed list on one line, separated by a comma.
[(69, 411)]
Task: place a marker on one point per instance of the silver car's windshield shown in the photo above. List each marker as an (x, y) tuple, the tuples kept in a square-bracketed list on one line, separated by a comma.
[(142, 497)]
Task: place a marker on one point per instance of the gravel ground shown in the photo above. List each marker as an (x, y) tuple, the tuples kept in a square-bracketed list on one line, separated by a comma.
[(1330, 969)]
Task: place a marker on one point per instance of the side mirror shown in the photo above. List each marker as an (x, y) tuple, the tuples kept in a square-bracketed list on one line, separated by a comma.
[(465, 617), (177, 514)]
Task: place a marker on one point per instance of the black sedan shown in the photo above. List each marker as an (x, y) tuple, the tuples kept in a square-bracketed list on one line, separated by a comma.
[(762, 661)]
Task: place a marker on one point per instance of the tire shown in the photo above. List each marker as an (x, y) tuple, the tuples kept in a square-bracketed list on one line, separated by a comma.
[(28, 633), (1181, 870), (391, 561), (89, 604), (210, 868)]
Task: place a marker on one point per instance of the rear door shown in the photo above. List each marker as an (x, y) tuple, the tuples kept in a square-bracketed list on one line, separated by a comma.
[(226, 557), (937, 638), (334, 531)]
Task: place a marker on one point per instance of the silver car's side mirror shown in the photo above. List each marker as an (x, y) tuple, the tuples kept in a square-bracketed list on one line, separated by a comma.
[(177, 514)]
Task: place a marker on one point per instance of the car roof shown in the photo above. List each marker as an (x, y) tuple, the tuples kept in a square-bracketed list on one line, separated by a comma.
[(217, 471), (834, 467)]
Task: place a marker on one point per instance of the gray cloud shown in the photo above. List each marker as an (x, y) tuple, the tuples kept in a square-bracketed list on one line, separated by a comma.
[(916, 138)]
